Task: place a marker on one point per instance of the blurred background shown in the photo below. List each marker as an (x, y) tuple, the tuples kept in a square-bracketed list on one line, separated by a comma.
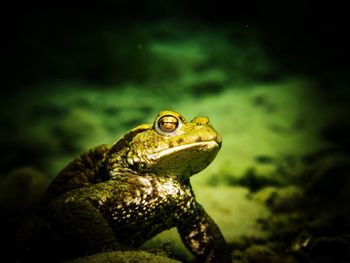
[(272, 76)]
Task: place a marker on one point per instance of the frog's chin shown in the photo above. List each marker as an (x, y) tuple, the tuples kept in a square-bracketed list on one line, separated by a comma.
[(187, 159)]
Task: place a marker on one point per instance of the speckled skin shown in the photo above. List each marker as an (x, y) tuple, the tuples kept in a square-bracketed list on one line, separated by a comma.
[(122, 195)]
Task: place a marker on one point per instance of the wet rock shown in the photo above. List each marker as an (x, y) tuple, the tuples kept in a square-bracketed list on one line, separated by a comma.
[(301, 242), (321, 249), (124, 257)]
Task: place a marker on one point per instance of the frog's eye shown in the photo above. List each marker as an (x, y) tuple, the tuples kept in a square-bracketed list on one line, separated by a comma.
[(168, 123)]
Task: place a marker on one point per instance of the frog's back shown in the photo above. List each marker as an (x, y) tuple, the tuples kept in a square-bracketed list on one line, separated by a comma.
[(84, 170), (91, 167)]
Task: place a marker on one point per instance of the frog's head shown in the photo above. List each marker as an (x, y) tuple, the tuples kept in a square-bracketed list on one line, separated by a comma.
[(171, 145)]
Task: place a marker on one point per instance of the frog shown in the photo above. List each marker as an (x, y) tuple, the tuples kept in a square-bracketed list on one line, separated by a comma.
[(115, 197)]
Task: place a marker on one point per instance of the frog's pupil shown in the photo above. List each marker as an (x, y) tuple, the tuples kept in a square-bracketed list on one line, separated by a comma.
[(168, 126), (168, 123)]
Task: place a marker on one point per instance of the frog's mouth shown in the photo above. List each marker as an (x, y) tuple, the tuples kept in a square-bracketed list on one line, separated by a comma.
[(184, 160), (205, 146)]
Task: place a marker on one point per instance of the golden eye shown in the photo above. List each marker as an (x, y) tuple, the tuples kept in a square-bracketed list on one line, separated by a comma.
[(168, 123)]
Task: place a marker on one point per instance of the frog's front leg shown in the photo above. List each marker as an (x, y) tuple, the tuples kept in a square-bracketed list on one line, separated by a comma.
[(203, 238), (80, 224)]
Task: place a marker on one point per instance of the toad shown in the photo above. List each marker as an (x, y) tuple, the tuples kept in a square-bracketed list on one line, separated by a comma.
[(121, 195)]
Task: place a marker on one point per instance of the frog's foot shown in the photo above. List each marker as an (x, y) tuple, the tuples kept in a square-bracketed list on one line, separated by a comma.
[(81, 226)]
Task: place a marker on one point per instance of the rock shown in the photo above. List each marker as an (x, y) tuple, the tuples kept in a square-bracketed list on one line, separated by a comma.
[(132, 256), (301, 242)]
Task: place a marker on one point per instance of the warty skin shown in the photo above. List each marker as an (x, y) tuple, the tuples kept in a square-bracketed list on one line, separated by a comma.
[(120, 196)]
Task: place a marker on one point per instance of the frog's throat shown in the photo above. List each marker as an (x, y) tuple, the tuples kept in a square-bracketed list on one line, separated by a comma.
[(204, 146)]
